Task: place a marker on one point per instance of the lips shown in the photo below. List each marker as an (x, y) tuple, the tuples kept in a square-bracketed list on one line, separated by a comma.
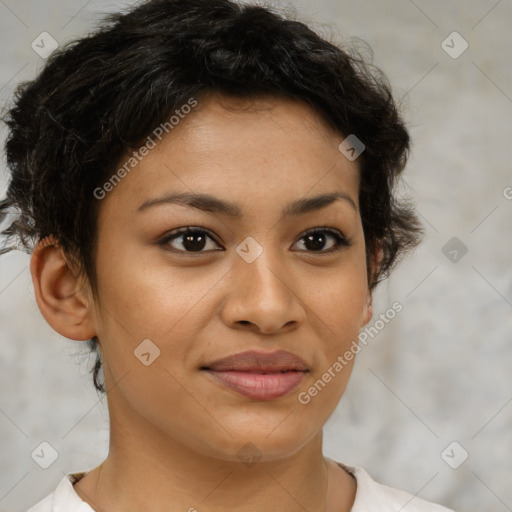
[(259, 362), (259, 375)]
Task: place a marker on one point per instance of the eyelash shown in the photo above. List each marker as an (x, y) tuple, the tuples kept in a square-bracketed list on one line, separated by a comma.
[(340, 240)]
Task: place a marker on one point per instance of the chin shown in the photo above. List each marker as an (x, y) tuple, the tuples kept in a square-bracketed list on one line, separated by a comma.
[(259, 444)]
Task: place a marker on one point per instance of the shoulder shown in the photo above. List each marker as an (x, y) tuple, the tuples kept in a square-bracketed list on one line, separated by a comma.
[(63, 498), (45, 505), (373, 496)]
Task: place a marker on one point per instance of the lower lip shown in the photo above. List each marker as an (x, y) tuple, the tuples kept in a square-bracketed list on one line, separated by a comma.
[(258, 386)]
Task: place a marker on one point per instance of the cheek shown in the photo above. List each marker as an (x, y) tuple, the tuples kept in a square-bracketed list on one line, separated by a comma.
[(339, 296), (140, 300), (148, 296), (339, 306), (340, 310)]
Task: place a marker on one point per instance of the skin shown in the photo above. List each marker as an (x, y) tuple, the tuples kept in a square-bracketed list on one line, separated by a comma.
[(176, 433)]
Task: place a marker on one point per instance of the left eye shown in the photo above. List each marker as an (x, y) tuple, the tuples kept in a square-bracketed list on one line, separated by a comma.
[(315, 240)]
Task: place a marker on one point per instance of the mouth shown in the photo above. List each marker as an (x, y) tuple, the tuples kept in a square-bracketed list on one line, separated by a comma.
[(258, 375)]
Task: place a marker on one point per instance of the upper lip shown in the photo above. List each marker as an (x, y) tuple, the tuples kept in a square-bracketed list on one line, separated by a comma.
[(255, 361)]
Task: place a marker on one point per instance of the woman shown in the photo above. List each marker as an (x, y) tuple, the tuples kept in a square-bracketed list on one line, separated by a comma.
[(207, 193)]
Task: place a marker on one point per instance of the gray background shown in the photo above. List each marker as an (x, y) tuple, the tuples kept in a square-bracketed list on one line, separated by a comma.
[(441, 371)]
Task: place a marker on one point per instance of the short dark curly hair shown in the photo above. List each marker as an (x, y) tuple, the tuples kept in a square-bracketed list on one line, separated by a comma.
[(104, 93)]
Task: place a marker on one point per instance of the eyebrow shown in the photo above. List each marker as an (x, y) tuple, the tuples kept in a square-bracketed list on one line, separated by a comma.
[(208, 203)]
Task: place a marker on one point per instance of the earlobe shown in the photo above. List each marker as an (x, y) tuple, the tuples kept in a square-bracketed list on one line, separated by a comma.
[(61, 298)]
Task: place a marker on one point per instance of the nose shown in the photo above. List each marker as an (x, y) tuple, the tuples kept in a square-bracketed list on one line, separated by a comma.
[(262, 296)]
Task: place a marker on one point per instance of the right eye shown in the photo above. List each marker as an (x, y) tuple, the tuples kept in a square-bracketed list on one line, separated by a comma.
[(193, 240)]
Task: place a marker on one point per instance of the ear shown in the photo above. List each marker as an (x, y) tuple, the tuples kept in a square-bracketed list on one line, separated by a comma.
[(63, 299), (368, 309), (375, 261)]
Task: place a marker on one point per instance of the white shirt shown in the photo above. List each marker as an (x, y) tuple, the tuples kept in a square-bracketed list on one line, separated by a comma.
[(370, 497)]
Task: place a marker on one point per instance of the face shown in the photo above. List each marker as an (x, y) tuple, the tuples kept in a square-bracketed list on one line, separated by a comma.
[(250, 275)]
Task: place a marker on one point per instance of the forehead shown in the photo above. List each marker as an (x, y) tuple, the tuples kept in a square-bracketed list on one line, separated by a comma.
[(247, 125), (259, 150)]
